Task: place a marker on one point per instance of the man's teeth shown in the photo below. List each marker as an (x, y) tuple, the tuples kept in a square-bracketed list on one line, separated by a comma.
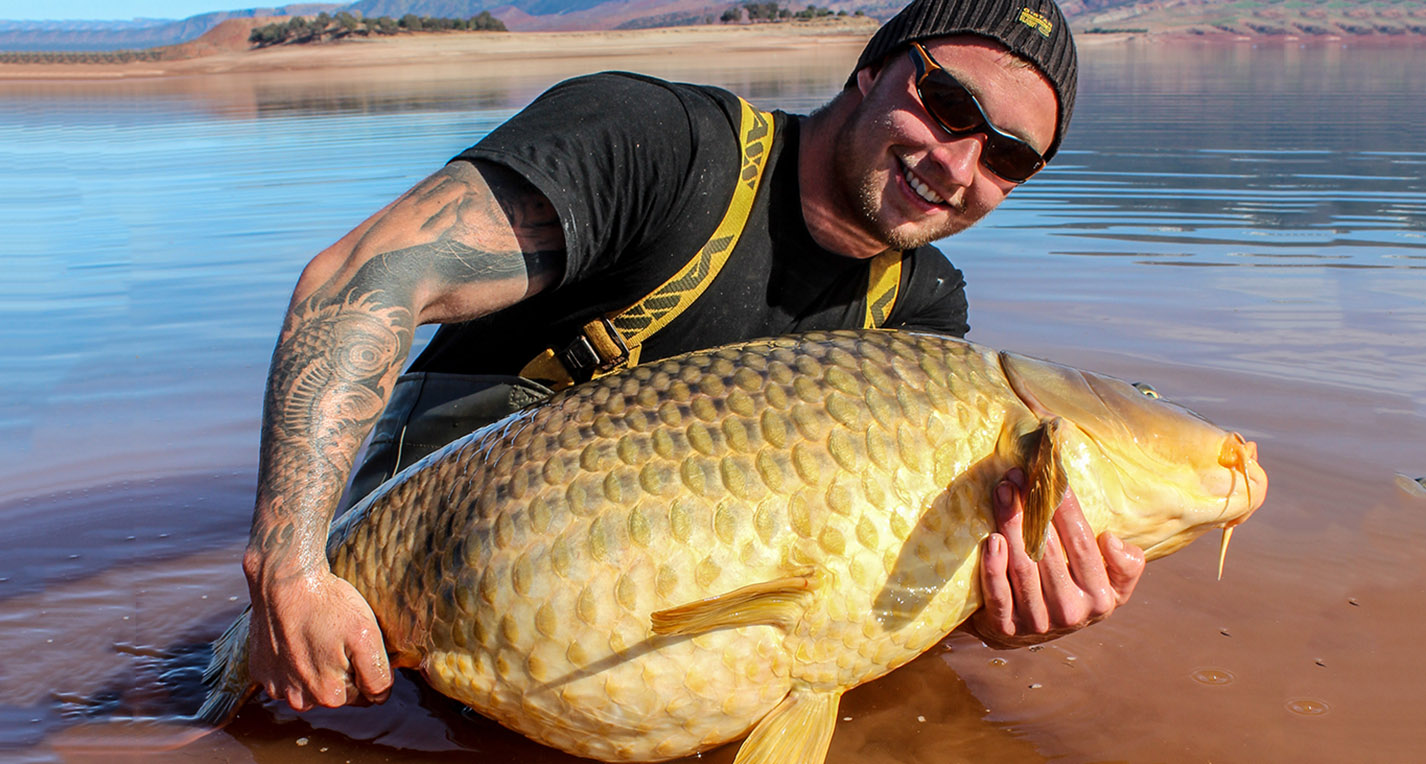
[(922, 189)]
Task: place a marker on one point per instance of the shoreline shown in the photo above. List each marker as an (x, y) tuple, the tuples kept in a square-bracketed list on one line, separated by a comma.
[(226, 52), (718, 42)]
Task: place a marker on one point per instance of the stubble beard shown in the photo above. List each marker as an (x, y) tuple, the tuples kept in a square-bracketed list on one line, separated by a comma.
[(866, 189)]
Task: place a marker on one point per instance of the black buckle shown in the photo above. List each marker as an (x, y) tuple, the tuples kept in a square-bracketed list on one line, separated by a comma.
[(581, 359)]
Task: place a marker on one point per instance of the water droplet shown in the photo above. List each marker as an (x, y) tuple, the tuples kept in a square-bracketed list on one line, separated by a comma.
[(1036, 686), (303, 741), (1213, 676), (997, 662), (920, 718), (1307, 707)]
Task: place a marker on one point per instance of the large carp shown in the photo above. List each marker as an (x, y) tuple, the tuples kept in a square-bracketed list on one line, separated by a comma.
[(722, 543)]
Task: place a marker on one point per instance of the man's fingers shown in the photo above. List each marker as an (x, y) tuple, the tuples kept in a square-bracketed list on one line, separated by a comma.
[(296, 698), (1080, 548), (1123, 564), (1064, 601), (1029, 602), (999, 605), (370, 669), (1093, 597), (333, 691)]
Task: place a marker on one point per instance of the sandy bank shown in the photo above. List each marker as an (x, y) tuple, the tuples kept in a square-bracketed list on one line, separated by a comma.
[(718, 44), (224, 50)]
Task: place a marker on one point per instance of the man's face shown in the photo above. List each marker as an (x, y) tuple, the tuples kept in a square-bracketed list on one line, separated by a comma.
[(906, 177)]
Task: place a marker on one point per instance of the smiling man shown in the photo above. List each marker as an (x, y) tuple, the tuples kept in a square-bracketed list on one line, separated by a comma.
[(913, 154), (621, 219)]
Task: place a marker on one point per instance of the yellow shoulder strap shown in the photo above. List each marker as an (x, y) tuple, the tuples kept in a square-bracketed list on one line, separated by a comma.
[(613, 342), (883, 283)]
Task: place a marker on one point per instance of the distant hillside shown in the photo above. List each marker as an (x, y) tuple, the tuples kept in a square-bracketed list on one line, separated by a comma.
[(1201, 17), (1258, 18), (138, 33)]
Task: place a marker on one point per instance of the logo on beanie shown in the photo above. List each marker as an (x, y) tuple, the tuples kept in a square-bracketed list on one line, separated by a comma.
[(1036, 21)]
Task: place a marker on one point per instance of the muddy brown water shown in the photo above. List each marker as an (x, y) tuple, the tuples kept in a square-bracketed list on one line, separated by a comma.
[(1267, 268)]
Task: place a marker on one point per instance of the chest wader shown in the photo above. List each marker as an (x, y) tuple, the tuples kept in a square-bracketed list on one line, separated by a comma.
[(430, 409)]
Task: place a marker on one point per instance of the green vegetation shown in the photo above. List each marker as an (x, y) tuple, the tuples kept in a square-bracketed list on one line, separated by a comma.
[(82, 56), (324, 27), (755, 12)]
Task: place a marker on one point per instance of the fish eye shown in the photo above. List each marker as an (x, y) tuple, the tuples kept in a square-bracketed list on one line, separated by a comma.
[(1147, 389)]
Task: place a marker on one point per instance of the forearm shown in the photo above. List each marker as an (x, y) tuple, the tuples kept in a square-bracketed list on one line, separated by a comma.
[(450, 249), (339, 354)]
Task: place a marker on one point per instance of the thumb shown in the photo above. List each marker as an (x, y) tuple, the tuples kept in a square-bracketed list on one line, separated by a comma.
[(370, 667)]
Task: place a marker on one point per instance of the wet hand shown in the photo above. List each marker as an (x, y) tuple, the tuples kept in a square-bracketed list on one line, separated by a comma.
[(1080, 579), (315, 642)]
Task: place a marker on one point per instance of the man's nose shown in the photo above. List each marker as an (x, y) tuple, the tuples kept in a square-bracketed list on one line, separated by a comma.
[(960, 157)]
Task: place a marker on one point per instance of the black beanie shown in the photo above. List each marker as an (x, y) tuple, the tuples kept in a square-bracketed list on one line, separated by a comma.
[(1035, 30)]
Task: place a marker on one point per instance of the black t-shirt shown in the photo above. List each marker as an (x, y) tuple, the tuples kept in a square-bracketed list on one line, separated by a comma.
[(640, 172)]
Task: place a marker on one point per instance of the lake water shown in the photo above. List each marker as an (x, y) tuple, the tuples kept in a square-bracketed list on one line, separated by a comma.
[(1243, 226)]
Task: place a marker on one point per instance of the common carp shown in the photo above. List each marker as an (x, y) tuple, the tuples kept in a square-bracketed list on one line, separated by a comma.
[(720, 544)]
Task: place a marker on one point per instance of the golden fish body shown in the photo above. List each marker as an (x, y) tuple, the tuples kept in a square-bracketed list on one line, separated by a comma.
[(659, 561)]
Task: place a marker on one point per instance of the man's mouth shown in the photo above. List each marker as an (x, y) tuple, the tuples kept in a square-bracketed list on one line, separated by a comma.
[(922, 190)]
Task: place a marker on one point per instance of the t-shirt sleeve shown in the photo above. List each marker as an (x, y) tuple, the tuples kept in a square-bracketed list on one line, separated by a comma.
[(612, 152), (935, 296)]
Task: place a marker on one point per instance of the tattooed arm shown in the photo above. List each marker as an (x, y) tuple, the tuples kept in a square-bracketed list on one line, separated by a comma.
[(467, 241)]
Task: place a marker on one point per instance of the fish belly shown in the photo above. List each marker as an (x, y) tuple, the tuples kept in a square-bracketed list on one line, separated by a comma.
[(520, 566)]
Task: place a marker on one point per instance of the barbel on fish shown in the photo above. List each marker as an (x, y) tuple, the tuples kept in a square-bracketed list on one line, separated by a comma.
[(720, 544)]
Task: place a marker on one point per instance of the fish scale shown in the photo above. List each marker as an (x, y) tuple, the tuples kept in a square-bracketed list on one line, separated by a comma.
[(780, 494), (661, 560)]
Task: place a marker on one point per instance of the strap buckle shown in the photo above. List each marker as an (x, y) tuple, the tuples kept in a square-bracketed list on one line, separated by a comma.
[(597, 348)]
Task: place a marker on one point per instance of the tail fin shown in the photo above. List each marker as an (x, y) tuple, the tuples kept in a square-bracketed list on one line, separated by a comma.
[(227, 677)]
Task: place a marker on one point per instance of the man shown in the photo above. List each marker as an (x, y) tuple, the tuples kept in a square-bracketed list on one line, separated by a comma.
[(532, 246)]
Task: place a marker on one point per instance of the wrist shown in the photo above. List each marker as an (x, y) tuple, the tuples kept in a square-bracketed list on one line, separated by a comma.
[(267, 572)]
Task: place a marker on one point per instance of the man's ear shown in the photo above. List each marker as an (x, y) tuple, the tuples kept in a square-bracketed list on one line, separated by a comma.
[(866, 75)]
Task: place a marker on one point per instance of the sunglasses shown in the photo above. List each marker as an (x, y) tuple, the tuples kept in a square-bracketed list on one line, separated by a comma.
[(958, 113)]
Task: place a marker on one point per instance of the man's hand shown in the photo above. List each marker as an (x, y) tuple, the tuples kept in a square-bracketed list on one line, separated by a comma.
[(1078, 581), (315, 642)]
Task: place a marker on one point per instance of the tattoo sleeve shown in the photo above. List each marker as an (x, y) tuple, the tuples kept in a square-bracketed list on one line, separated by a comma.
[(474, 238)]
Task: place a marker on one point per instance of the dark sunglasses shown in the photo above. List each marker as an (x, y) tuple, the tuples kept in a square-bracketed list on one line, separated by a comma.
[(958, 113)]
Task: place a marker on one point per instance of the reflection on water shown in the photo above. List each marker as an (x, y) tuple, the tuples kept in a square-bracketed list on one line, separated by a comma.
[(1259, 208), (1244, 226)]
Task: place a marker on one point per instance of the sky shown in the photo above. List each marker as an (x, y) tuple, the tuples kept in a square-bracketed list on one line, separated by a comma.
[(31, 10)]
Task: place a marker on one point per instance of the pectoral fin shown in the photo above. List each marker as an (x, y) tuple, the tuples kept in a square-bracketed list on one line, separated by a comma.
[(779, 602), (798, 730), (1048, 483)]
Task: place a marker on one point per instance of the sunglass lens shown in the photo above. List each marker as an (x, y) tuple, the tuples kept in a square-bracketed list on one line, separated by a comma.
[(1010, 159), (950, 103)]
